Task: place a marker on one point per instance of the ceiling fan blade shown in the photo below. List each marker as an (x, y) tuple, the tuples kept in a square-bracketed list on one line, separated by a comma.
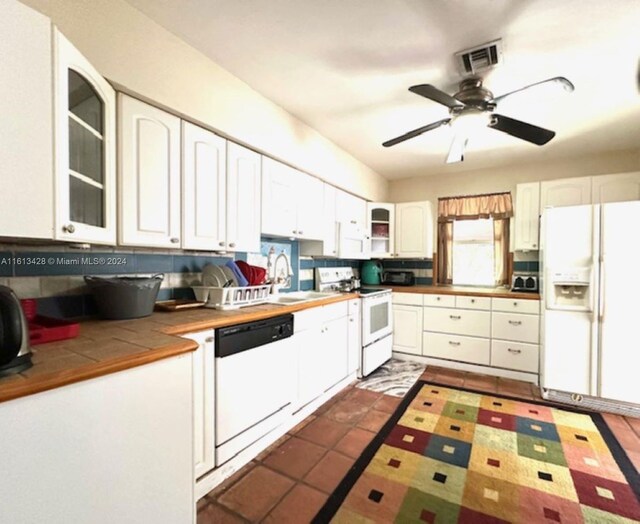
[(433, 93), (415, 132), (456, 151), (529, 132), (560, 81)]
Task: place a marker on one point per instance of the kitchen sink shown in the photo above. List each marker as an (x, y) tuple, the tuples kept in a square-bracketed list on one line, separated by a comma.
[(297, 297)]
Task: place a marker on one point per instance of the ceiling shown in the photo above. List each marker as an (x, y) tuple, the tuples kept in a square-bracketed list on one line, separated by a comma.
[(344, 66)]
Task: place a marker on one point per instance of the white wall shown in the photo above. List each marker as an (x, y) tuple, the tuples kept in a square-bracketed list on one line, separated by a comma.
[(134, 52), (493, 180)]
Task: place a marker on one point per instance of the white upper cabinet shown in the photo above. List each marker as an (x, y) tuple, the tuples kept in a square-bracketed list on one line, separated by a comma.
[(351, 209), (615, 188), (85, 173), (381, 229), (414, 230), (565, 192), (527, 216), (244, 176), (291, 203), (26, 128), (203, 189), (328, 245), (149, 175)]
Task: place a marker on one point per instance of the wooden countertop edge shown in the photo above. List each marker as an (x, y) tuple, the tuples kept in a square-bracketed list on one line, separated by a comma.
[(251, 316), (58, 379), (53, 380), (435, 290)]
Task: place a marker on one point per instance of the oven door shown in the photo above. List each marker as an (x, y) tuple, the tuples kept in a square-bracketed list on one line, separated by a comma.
[(376, 318)]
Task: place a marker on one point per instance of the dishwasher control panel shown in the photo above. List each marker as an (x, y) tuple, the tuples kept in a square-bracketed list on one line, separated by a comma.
[(243, 337)]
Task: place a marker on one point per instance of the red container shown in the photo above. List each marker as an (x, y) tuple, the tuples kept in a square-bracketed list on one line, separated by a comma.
[(29, 306), (47, 329)]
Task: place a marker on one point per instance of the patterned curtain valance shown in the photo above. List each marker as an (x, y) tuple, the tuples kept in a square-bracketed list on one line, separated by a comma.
[(495, 205)]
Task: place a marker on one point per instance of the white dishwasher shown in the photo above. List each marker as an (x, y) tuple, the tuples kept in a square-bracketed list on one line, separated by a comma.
[(256, 374)]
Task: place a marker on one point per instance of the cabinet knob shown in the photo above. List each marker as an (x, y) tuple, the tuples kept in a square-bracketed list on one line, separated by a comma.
[(294, 231), (232, 244), (334, 251), (515, 304), (437, 298), (221, 244), (351, 320), (174, 240), (534, 245), (353, 221), (69, 228), (300, 232), (473, 300)]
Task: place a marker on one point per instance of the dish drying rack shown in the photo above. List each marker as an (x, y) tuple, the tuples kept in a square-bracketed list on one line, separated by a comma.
[(226, 298)]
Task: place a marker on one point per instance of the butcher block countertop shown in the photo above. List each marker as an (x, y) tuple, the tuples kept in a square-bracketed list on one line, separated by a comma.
[(494, 292), (108, 346)]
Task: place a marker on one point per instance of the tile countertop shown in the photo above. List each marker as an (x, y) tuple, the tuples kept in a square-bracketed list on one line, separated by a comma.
[(495, 292), (108, 346)]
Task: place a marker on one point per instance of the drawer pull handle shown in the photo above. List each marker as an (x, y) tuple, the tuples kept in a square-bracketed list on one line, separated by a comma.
[(454, 317), (515, 322), (514, 351), (209, 339), (452, 343)]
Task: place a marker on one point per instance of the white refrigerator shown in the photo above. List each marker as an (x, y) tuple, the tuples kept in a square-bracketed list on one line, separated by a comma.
[(590, 330)]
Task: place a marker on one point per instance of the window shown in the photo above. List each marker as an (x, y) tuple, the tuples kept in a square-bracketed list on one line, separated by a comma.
[(473, 252), (473, 240)]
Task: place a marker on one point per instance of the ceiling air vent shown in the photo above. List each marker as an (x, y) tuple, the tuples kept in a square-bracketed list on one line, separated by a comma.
[(479, 58)]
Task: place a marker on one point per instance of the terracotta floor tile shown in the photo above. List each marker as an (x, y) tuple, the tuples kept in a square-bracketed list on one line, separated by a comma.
[(295, 457), (481, 383), (387, 403), (354, 442), (329, 471), (214, 514), (264, 454), (324, 431), (635, 424), (373, 421), (514, 387), (294, 430), (347, 412), (257, 493), (363, 396), (449, 381), (300, 505), (222, 488)]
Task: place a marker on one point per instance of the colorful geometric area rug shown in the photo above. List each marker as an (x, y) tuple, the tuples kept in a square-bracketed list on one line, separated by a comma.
[(451, 455)]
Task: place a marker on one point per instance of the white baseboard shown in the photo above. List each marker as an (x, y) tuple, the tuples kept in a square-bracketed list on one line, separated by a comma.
[(212, 479), (463, 366)]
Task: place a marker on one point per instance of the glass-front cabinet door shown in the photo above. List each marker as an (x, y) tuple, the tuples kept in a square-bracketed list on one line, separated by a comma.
[(381, 223), (84, 149)]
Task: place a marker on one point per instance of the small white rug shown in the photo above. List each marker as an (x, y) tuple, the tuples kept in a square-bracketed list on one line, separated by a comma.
[(395, 377)]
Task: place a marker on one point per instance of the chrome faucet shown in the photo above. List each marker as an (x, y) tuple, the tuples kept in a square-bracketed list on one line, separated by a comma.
[(282, 278)]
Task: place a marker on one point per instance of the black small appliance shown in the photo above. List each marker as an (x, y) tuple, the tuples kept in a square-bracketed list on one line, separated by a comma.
[(399, 278), (15, 355)]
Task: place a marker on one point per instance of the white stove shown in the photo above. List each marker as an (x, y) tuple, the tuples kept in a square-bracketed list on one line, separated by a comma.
[(376, 316)]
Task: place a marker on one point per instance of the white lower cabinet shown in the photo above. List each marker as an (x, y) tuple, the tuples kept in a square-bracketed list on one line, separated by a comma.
[(116, 448), (498, 333), (453, 347), (326, 349), (203, 402), (355, 337), (511, 326), (514, 355), (458, 321), (407, 329)]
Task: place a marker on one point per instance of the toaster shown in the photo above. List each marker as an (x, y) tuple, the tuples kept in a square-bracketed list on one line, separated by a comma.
[(525, 282), (398, 278)]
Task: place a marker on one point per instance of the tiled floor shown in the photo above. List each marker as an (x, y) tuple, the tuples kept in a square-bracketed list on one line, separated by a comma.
[(291, 480)]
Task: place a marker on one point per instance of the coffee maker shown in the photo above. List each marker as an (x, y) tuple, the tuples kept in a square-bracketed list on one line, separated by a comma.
[(15, 354)]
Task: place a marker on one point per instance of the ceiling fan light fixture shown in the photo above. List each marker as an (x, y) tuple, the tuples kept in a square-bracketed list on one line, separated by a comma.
[(470, 122)]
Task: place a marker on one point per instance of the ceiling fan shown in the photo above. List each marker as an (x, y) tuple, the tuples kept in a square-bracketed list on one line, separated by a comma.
[(472, 108)]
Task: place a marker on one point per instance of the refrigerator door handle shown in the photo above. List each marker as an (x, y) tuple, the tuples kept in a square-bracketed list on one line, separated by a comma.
[(601, 291)]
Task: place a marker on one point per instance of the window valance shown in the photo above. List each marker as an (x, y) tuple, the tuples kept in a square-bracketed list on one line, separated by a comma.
[(494, 205)]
